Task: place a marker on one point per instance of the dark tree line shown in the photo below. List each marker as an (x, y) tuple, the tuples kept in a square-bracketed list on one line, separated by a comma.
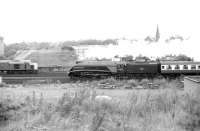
[(180, 57)]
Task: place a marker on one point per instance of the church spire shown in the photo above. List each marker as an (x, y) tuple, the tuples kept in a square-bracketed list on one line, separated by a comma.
[(157, 34)]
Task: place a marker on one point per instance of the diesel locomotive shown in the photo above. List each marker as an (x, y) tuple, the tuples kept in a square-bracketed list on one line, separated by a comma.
[(18, 67), (135, 68)]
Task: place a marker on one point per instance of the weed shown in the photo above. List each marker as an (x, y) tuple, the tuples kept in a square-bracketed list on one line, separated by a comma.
[(190, 118)]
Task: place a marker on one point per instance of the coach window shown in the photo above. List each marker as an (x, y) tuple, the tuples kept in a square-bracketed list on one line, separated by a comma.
[(199, 67), (177, 67), (163, 67), (193, 67), (185, 67), (169, 67)]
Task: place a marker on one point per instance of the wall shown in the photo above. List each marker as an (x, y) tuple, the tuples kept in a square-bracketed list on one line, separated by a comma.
[(1, 47), (192, 86)]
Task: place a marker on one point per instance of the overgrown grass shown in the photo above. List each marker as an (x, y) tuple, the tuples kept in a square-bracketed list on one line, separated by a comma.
[(164, 109)]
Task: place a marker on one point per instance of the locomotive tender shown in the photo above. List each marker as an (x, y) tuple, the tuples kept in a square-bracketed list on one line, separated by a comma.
[(135, 68), (18, 67)]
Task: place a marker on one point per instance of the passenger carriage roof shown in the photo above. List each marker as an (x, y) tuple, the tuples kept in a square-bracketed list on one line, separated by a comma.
[(15, 61), (179, 62)]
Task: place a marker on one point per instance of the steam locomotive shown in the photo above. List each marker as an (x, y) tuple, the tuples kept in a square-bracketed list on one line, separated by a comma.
[(134, 69), (18, 67)]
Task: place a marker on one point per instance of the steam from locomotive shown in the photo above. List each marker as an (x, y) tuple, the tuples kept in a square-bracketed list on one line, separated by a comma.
[(135, 48)]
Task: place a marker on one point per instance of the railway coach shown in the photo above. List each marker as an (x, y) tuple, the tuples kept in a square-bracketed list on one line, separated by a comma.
[(177, 68)]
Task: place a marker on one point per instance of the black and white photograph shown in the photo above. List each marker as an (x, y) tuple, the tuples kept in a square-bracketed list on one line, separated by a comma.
[(99, 65)]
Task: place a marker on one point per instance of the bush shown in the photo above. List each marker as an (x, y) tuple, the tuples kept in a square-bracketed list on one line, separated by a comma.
[(131, 84), (68, 101), (108, 81), (78, 109), (144, 82), (8, 109), (190, 118), (160, 81), (180, 57), (64, 47), (11, 50)]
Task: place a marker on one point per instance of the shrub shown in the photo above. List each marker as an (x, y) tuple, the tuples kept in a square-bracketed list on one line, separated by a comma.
[(8, 109), (131, 84), (160, 81), (68, 101), (65, 104), (144, 82), (108, 80), (3, 84), (64, 47), (190, 118)]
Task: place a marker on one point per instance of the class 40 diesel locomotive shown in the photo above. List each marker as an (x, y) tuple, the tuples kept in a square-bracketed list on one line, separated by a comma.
[(134, 68), (18, 67)]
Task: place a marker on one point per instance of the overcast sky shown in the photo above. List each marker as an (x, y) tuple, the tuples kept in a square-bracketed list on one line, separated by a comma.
[(59, 20)]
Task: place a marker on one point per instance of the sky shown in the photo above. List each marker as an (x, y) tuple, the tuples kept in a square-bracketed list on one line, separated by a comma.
[(60, 20)]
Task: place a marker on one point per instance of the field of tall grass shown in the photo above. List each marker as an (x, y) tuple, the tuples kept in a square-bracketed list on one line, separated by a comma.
[(74, 107)]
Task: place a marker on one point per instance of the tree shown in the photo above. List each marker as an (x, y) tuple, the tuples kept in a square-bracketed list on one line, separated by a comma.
[(140, 57), (180, 57), (127, 58)]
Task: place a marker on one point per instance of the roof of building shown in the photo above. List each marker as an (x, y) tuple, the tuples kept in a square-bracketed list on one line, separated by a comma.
[(15, 61), (193, 78)]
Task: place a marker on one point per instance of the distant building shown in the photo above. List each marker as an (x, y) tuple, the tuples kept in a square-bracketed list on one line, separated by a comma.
[(1, 47), (157, 34)]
